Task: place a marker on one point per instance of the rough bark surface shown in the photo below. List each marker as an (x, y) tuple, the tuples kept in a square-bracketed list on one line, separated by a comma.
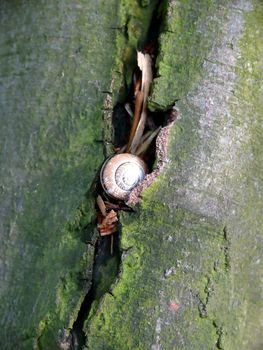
[(55, 64), (192, 261), (191, 267)]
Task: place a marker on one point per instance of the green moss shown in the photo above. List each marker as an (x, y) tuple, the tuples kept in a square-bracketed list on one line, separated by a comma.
[(53, 74), (132, 35), (186, 40), (247, 222), (173, 252), (141, 295)]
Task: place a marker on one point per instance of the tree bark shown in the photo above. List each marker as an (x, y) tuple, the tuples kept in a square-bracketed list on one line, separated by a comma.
[(191, 271), (192, 253), (56, 60)]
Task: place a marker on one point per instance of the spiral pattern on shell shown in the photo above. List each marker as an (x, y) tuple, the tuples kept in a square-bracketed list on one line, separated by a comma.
[(121, 173)]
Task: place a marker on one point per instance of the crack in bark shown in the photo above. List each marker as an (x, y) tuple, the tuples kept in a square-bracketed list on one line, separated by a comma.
[(77, 337), (220, 333), (102, 256), (210, 289), (226, 248)]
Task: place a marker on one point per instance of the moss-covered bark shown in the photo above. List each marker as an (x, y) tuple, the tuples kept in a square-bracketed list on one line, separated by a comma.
[(55, 65), (192, 261), (191, 254)]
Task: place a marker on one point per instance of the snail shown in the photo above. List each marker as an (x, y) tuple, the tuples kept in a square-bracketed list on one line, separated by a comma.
[(121, 173)]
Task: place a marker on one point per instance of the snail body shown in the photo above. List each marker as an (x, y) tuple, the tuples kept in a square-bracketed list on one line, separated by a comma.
[(121, 173)]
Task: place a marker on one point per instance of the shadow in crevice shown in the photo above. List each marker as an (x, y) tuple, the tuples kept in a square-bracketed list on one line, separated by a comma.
[(107, 258), (107, 253)]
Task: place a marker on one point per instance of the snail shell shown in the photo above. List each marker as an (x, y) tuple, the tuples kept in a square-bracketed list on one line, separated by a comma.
[(121, 173)]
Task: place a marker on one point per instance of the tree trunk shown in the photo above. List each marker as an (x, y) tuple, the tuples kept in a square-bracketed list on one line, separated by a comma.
[(190, 278), (56, 61), (191, 254)]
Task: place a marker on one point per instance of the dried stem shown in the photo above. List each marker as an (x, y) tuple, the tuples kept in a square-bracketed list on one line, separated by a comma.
[(145, 65), (136, 118), (147, 141), (101, 205)]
